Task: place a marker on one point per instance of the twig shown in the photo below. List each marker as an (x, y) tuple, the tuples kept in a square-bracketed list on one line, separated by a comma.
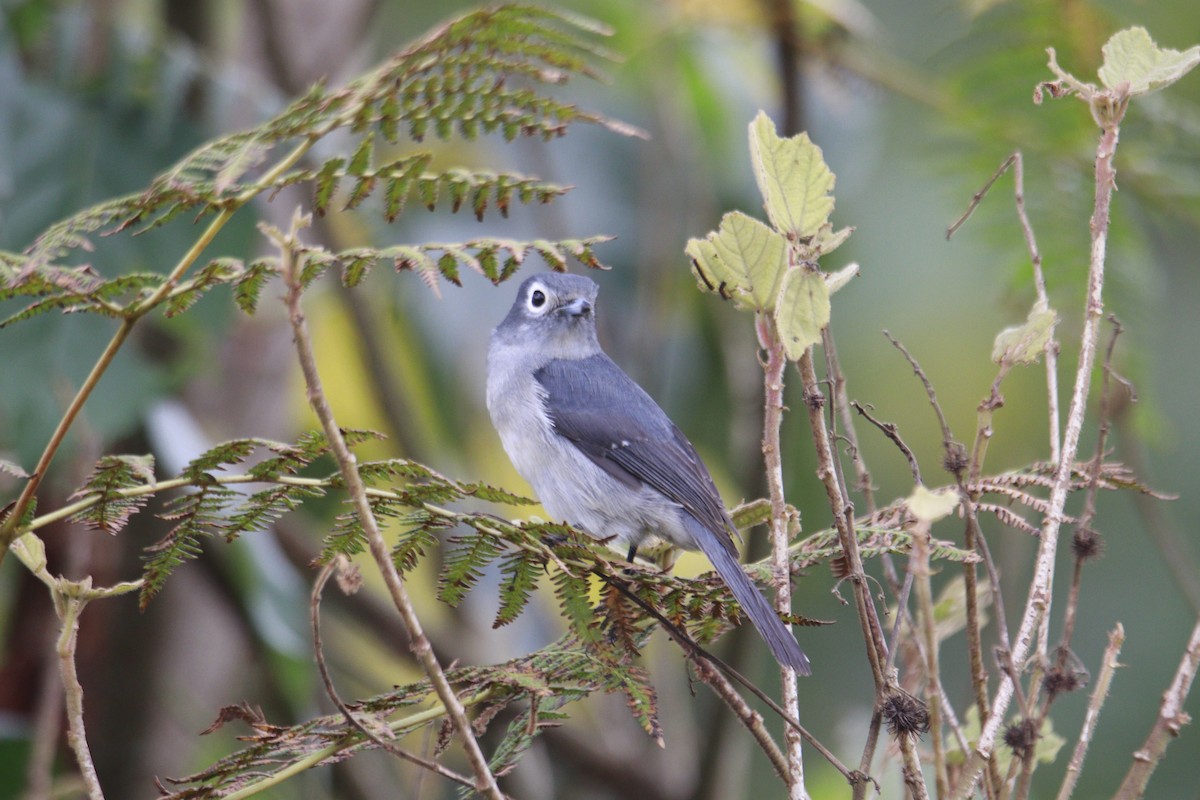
[(918, 566), (1171, 719), (1108, 666), (955, 461), (890, 430), (1017, 162), (773, 369), (696, 653), (1040, 590), (843, 517), (314, 613), (1083, 528), (1039, 283), (485, 781), (751, 719)]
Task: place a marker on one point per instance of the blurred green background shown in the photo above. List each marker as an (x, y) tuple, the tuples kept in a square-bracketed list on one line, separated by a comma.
[(915, 104)]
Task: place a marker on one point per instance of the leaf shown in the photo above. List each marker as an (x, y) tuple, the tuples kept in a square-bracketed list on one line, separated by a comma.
[(836, 280), (795, 182), (803, 310), (744, 258), (464, 566), (1131, 57), (930, 505), (950, 606), (521, 572), (1023, 344)]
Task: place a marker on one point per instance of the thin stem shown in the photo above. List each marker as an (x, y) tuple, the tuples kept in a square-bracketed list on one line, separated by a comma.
[(1108, 667), (751, 719), (843, 517), (8, 531), (1039, 283), (1038, 603), (11, 523), (773, 371), (485, 781), (314, 610), (69, 608), (295, 768), (919, 569)]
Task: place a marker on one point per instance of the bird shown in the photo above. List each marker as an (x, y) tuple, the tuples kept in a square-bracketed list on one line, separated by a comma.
[(599, 452)]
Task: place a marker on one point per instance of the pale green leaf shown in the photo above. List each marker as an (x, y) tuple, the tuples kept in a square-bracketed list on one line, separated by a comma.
[(795, 182), (744, 259), (1132, 57), (803, 310), (826, 240), (1022, 344), (950, 606), (836, 280), (930, 505)]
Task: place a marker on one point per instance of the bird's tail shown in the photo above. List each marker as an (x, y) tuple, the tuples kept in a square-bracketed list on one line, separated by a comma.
[(770, 627)]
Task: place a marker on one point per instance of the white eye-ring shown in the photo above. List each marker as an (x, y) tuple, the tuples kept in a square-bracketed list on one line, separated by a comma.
[(537, 299)]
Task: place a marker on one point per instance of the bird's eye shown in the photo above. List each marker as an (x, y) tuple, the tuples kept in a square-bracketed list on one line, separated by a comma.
[(537, 299)]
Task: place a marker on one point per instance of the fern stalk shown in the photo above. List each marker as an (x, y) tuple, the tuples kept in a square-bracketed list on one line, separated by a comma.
[(10, 526)]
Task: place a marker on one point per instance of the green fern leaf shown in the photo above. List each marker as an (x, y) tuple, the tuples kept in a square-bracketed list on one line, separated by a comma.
[(464, 566), (521, 572)]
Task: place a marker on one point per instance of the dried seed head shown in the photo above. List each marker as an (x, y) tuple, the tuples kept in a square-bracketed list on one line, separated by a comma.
[(1021, 737), (1059, 681), (1087, 544), (905, 715), (955, 460)]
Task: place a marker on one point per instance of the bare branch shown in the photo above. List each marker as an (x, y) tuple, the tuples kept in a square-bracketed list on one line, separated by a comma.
[(773, 370), (485, 781), (1099, 693), (1040, 591), (890, 430)]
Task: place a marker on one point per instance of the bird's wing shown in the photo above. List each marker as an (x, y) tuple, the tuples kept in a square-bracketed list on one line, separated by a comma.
[(597, 407)]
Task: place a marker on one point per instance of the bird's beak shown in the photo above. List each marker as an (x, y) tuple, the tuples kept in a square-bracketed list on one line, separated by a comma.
[(578, 307)]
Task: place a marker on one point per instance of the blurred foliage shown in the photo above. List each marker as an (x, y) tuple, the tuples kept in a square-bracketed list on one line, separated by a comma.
[(914, 104)]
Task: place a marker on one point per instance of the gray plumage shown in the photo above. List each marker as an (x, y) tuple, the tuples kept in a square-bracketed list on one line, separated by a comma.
[(596, 448)]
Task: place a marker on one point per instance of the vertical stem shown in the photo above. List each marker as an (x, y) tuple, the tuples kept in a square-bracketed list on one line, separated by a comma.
[(924, 591), (768, 339), (1108, 666), (843, 519), (1033, 622), (69, 608), (485, 781)]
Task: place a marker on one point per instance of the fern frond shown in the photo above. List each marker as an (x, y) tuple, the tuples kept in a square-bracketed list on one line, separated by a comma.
[(520, 571), (195, 515), (484, 72), (109, 476), (465, 562)]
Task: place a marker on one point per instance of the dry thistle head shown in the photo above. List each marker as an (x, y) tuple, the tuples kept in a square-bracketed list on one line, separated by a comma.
[(1087, 544), (905, 715)]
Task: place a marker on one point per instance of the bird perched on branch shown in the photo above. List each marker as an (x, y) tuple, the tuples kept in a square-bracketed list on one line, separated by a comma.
[(599, 452)]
